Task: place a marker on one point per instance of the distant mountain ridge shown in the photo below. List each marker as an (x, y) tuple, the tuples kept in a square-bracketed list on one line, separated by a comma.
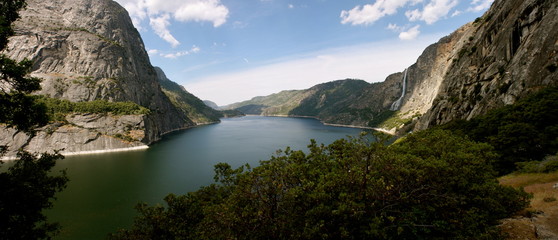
[(211, 104), (194, 108), (508, 53)]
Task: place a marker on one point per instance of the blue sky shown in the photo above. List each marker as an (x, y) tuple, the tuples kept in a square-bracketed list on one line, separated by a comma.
[(232, 50)]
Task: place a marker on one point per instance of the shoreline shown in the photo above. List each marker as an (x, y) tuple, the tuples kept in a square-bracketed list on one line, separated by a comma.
[(354, 126), (330, 124), (144, 147), (65, 154), (126, 149)]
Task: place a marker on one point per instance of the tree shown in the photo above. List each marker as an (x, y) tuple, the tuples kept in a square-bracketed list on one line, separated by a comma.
[(17, 107), (522, 132), (26, 189), (431, 185), (28, 186)]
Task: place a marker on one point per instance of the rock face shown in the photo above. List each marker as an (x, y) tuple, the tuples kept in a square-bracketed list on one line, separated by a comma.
[(506, 54), (81, 133), (87, 50)]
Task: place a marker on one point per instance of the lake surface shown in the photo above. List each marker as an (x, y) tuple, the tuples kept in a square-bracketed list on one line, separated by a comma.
[(104, 188)]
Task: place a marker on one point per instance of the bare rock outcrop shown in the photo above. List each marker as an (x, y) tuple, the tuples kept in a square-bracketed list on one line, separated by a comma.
[(80, 133), (87, 50), (508, 53)]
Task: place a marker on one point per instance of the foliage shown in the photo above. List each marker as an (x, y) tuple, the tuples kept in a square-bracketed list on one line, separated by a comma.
[(382, 117), (521, 132), (549, 164), (431, 185), (28, 186), (58, 108), (9, 14), (17, 108), (26, 189)]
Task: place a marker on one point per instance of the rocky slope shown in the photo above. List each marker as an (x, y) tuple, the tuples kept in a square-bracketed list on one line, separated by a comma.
[(509, 52), (87, 50), (190, 105)]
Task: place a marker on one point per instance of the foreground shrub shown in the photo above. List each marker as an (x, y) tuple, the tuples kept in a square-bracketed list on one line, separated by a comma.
[(430, 185)]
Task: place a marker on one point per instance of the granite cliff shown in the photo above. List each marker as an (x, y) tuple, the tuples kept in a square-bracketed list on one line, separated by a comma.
[(508, 53), (88, 50)]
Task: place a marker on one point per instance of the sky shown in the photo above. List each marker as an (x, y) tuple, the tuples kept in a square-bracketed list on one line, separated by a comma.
[(229, 51)]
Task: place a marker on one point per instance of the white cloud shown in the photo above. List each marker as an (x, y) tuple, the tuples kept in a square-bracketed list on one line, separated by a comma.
[(291, 6), (371, 62), (456, 13), (208, 10), (370, 13), (136, 12), (413, 15), (405, 33), (195, 49), (152, 51), (410, 34), (396, 28), (480, 5), (433, 11), (161, 12), (175, 54), (239, 25), (178, 54), (160, 26)]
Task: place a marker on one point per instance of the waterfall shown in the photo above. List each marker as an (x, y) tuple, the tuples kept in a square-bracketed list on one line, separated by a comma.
[(395, 105)]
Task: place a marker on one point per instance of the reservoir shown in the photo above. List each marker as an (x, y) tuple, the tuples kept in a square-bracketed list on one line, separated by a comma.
[(104, 188)]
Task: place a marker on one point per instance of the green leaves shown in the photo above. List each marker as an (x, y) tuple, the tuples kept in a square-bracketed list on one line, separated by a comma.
[(16, 107), (26, 189), (522, 132), (56, 109), (9, 13), (430, 185)]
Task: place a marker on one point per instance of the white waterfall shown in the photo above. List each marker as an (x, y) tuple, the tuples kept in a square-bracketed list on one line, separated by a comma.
[(397, 104)]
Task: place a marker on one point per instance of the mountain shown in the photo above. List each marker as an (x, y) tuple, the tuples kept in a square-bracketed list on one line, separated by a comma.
[(88, 50), (311, 102), (507, 54), (211, 104), (190, 105)]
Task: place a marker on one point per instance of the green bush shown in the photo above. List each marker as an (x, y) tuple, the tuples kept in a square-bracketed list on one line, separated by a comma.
[(431, 185), (549, 164), (522, 132), (58, 108)]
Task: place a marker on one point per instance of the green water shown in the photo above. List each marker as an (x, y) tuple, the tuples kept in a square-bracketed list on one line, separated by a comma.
[(104, 188)]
